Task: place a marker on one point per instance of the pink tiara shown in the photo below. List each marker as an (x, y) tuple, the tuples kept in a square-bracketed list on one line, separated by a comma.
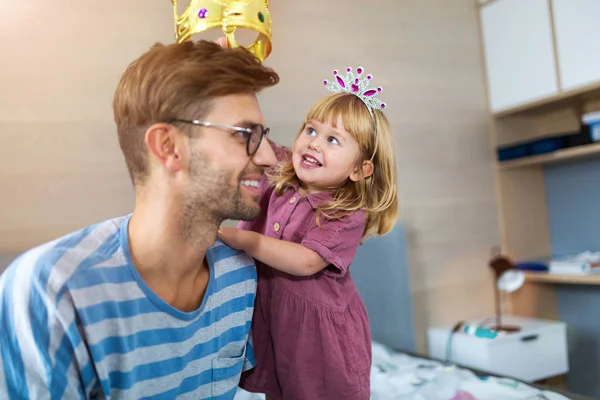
[(352, 83)]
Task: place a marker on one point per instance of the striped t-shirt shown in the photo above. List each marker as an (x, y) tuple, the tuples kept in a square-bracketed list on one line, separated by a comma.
[(78, 321)]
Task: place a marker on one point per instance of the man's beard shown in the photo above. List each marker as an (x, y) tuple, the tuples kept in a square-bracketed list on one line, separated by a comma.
[(210, 199)]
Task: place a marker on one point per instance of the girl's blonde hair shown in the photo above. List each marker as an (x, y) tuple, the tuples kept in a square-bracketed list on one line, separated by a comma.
[(376, 194)]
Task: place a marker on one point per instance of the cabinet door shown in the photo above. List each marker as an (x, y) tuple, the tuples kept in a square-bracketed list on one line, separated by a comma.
[(577, 29), (519, 54)]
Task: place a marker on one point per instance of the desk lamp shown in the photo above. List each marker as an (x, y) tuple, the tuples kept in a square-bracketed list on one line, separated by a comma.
[(508, 279)]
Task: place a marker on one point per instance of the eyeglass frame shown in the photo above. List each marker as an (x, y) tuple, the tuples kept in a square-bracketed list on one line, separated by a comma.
[(264, 133)]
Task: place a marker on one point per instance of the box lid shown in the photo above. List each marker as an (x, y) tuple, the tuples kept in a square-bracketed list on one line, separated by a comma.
[(531, 328)]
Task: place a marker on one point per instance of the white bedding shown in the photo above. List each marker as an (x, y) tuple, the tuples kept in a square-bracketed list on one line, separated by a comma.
[(397, 376)]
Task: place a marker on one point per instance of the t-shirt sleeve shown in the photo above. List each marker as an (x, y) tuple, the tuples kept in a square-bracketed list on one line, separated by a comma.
[(337, 241), (249, 361), (37, 347)]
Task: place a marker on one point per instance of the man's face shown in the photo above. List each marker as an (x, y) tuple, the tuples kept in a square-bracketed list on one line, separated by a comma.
[(221, 179)]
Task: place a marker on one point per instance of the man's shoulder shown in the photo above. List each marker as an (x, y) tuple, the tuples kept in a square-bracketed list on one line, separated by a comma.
[(233, 282), (51, 265), (226, 260)]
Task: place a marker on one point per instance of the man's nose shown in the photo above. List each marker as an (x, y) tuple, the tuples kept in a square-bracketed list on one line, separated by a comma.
[(264, 156)]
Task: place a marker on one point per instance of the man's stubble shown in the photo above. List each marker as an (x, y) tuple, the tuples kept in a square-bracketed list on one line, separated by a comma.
[(210, 198)]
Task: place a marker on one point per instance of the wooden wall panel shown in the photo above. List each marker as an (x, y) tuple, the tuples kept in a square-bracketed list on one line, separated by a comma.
[(60, 166)]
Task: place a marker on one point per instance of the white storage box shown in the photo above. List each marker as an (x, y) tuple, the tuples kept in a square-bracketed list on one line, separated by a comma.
[(538, 351)]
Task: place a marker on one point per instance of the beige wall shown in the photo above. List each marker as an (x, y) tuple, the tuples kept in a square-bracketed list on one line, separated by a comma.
[(60, 165)]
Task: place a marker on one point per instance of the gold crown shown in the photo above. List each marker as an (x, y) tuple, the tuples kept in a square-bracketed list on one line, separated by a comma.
[(202, 15)]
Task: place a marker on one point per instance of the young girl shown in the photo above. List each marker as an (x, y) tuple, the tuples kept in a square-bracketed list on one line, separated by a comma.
[(335, 187)]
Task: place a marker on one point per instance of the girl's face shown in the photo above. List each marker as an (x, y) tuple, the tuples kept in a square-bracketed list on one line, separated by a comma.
[(324, 157)]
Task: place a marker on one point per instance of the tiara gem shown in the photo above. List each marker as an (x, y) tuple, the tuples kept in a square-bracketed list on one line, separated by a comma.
[(357, 85)]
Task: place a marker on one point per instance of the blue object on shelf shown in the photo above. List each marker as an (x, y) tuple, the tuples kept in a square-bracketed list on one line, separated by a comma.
[(550, 144), (594, 128), (532, 266), (534, 148), (512, 152), (547, 145)]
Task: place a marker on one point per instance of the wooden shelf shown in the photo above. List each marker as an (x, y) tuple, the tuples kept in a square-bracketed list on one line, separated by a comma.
[(543, 277), (569, 98), (573, 153)]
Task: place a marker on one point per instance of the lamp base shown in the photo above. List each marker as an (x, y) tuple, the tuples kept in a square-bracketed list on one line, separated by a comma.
[(505, 328)]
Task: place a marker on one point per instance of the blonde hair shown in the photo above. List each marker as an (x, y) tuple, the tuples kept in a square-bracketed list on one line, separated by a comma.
[(377, 194)]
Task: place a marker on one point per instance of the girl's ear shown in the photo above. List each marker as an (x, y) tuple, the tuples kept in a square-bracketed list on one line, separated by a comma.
[(363, 171)]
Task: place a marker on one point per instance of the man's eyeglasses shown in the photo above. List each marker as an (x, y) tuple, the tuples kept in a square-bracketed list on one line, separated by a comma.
[(253, 134)]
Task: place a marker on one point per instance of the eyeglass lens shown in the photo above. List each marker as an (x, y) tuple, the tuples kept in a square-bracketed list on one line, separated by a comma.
[(255, 139)]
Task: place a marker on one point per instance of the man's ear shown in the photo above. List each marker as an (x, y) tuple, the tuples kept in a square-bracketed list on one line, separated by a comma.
[(363, 171), (166, 144)]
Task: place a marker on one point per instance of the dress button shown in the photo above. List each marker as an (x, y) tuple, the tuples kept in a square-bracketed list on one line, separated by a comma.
[(292, 200), (276, 226)]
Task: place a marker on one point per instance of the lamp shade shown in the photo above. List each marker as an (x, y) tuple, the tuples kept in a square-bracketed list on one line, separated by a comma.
[(511, 280)]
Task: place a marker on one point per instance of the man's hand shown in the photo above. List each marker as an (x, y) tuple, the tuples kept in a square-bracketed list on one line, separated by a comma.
[(235, 238)]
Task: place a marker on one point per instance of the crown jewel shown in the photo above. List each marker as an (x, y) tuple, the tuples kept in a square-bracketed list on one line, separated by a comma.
[(357, 85), (202, 15)]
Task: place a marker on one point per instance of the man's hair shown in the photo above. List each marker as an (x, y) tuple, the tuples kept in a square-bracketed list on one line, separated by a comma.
[(179, 81)]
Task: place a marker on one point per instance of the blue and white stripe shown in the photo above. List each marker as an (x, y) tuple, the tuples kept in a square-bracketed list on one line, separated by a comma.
[(78, 321)]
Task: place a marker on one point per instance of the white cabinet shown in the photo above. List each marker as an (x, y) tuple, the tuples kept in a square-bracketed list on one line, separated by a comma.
[(577, 29), (519, 53), (538, 351)]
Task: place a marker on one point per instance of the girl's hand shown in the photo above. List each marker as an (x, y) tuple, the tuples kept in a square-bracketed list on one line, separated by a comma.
[(222, 41), (235, 238)]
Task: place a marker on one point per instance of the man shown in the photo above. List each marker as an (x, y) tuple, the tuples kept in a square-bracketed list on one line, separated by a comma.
[(149, 305)]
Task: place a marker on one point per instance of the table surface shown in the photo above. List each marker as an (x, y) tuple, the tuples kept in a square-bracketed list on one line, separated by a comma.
[(546, 278), (566, 393)]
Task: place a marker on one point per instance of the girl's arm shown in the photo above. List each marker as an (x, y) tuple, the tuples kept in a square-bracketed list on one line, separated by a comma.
[(288, 257)]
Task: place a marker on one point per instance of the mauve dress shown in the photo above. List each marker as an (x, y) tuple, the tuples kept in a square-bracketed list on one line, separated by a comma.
[(311, 334)]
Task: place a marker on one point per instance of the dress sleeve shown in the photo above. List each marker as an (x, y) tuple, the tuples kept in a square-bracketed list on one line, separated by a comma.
[(337, 241)]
